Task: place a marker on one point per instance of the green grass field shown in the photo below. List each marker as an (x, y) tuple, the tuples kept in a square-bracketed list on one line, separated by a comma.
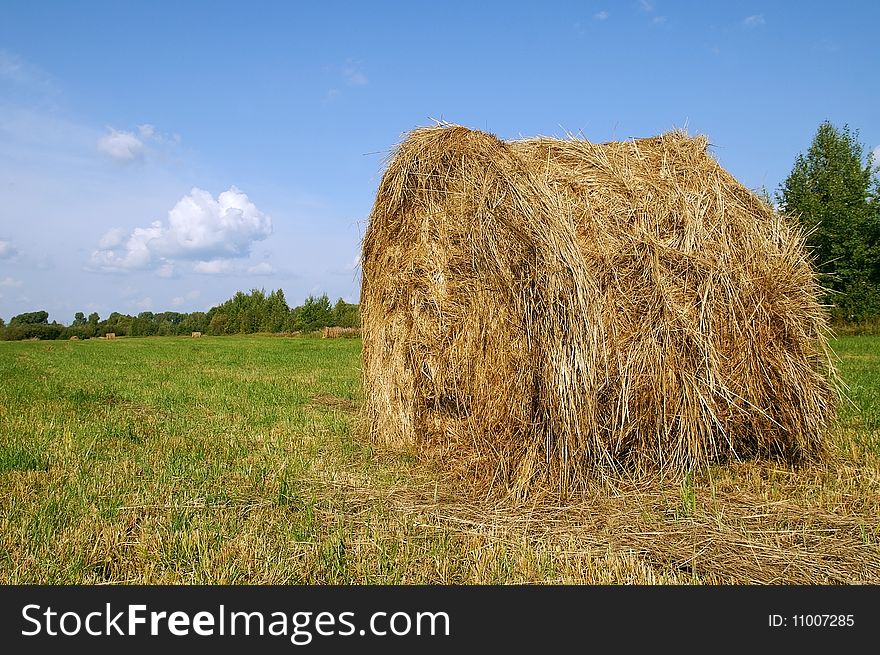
[(240, 460)]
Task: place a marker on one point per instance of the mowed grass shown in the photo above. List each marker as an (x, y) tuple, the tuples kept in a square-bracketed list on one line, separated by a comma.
[(241, 460)]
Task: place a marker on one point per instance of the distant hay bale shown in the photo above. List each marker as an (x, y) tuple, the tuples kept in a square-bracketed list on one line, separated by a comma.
[(110, 335), (197, 334), (336, 332), (74, 338), (545, 311)]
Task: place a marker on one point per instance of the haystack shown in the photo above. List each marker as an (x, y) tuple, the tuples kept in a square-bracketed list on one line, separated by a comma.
[(545, 311)]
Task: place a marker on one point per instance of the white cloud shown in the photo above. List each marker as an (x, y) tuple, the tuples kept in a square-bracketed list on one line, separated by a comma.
[(232, 267), (138, 253), (659, 20), (602, 15), (149, 133), (755, 20), (121, 146), (125, 147), (166, 270), (10, 282), (263, 268), (198, 228), (646, 5), (215, 267), (7, 249), (112, 239)]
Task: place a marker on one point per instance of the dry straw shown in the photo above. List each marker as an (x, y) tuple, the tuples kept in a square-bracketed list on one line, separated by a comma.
[(543, 312)]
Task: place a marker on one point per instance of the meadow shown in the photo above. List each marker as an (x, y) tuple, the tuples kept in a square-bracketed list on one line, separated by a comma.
[(241, 460)]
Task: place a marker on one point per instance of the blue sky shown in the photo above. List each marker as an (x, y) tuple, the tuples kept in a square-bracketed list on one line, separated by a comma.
[(161, 156)]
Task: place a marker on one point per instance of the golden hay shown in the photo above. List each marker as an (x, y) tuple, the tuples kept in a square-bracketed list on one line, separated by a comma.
[(543, 311), (335, 332)]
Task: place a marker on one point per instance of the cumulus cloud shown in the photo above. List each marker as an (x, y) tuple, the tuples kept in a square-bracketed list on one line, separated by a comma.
[(7, 249), (121, 146), (602, 15), (10, 282), (755, 20), (198, 228), (646, 5), (112, 239), (125, 146), (215, 267)]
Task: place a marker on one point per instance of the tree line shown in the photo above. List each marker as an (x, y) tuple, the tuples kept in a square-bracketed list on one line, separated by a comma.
[(244, 313)]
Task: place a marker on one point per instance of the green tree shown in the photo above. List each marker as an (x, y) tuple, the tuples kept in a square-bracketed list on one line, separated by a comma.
[(276, 312), (92, 327), (195, 322), (144, 325), (314, 314), (217, 323), (30, 318), (119, 324), (32, 325), (346, 314), (79, 320), (168, 323), (833, 191)]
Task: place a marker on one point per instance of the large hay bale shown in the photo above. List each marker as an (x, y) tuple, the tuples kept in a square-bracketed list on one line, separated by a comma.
[(545, 310)]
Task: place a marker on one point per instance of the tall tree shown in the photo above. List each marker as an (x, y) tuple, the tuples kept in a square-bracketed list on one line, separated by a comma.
[(833, 190), (314, 314), (346, 314), (31, 318), (92, 328), (276, 313)]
